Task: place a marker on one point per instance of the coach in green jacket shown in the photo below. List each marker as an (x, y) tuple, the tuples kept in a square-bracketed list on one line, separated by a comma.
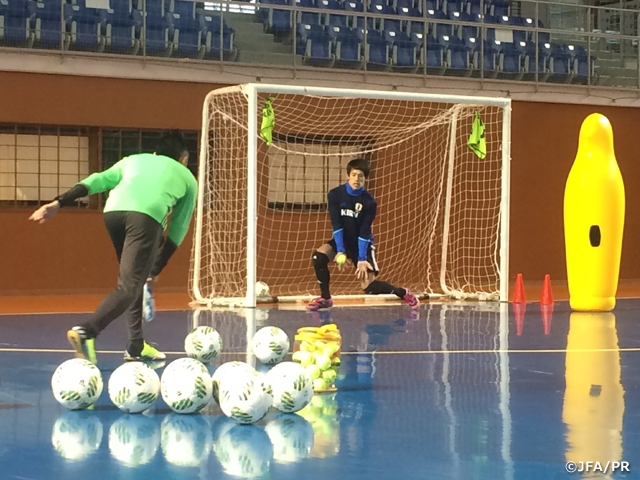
[(144, 190)]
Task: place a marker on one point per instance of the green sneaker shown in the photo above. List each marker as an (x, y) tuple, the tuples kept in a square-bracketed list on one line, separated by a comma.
[(148, 353), (84, 347)]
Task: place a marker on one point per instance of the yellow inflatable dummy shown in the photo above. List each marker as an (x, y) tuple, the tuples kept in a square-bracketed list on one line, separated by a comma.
[(594, 207)]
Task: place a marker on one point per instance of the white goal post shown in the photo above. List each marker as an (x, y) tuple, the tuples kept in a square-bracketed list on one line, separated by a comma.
[(442, 226)]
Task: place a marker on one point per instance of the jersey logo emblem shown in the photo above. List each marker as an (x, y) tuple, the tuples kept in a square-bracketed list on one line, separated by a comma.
[(358, 207)]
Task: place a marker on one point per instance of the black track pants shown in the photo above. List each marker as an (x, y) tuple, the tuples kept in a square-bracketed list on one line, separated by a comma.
[(135, 237)]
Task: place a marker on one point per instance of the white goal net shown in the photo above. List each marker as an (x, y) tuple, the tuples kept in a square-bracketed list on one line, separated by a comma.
[(442, 219)]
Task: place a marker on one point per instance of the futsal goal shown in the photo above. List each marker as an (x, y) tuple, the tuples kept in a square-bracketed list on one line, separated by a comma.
[(270, 153)]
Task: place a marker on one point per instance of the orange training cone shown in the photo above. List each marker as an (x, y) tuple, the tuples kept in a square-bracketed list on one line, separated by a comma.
[(518, 294), (547, 296)]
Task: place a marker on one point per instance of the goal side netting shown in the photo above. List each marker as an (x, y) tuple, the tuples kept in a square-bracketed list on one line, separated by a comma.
[(441, 226)]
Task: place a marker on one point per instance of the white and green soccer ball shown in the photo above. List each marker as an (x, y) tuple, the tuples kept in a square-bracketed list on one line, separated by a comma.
[(203, 343), (186, 440), (245, 399), (134, 440), (228, 370), (270, 345), (186, 385), (262, 290), (134, 387), (291, 386), (76, 384)]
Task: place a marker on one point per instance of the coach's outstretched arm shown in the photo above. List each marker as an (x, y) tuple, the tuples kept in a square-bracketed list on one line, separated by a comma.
[(95, 183)]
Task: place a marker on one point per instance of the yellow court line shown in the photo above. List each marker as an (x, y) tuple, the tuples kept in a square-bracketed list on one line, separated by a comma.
[(396, 352)]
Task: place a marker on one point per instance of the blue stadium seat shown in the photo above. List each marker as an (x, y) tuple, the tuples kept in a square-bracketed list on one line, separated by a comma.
[(408, 13), (451, 6), (559, 65), (88, 27), (530, 63), (486, 57), (580, 63), (510, 60), (124, 28), (15, 23), (328, 4), (457, 54), (159, 32), (319, 51), (190, 32), (384, 10), (348, 51), (308, 17), (439, 29), (335, 19), (48, 25), (279, 22), (434, 56), (462, 30), (306, 31), (376, 49), (404, 57), (499, 8), (408, 4)]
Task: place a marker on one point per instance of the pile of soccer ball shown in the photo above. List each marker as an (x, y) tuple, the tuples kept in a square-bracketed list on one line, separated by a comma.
[(186, 386)]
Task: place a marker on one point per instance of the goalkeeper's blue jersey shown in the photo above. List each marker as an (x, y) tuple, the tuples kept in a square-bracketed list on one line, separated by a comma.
[(353, 211)]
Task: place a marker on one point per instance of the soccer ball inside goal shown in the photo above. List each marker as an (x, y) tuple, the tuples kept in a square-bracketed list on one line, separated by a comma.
[(134, 387), (203, 343), (291, 386), (76, 384), (262, 290), (245, 399), (270, 345), (186, 385)]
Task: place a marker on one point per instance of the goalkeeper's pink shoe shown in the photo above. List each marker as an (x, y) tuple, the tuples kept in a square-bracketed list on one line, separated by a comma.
[(319, 303), (411, 299)]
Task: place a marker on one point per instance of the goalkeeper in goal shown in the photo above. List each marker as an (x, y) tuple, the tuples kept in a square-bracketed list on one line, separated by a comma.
[(352, 210)]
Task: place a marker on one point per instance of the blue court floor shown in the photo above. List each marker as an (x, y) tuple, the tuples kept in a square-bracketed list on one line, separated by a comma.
[(462, 392)]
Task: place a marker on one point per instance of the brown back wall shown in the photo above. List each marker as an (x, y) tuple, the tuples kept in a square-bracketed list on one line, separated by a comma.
[(73, 254)]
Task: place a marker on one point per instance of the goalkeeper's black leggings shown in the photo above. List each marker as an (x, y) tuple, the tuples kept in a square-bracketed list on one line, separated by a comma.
[(136, 238)]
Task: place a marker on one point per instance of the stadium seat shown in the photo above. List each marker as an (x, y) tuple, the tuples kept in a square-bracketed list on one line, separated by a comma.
[(580, 63), (348, 51), (404, 57), (87, 27), (499, 8), (279, 22), (319, 51), (124, 28), (15, 23), (510, 61), (48, 25)]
